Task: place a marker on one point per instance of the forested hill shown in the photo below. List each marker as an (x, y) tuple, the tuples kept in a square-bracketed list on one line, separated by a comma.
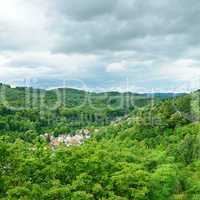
[(64, 110), (68, 97), (152, 154)]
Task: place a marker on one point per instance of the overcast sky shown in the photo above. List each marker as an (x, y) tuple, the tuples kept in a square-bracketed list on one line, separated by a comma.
[(101, 44)]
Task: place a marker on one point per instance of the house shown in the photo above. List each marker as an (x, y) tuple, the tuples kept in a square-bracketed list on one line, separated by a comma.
[(77, 139)]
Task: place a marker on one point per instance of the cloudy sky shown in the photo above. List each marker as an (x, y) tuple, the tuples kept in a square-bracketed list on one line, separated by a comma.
[(144, 45)]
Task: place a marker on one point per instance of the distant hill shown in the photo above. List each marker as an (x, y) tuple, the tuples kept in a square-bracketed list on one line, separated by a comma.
[(165, 95), (66, 109), (70, 97)]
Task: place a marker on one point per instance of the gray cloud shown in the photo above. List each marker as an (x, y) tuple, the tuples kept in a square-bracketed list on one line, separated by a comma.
[(160, 26), (85, 9), (82, 38)]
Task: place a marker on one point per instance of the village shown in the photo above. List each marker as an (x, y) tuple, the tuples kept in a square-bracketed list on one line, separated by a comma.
[(75, 139)]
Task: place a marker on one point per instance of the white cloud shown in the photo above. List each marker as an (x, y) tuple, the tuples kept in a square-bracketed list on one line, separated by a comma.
[(25, 25), (45, 64), (181, 70), (116, 67)]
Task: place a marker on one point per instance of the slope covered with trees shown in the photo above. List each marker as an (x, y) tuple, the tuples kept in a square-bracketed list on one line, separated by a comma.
[(153, 153), (63, 110)]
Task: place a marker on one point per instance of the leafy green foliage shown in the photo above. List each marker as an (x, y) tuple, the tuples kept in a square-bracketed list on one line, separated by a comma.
[(153, 153)]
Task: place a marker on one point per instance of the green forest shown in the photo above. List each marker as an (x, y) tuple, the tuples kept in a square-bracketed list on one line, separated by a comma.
[(142, 146)]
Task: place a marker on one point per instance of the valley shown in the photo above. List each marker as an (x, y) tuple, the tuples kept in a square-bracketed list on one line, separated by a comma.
[(146, 152)]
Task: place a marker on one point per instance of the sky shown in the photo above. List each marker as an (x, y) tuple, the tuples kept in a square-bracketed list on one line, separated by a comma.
[(135, 45)]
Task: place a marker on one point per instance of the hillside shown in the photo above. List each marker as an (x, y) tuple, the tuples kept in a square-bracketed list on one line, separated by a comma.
[(63, 110), (29, 97), (153, 153)]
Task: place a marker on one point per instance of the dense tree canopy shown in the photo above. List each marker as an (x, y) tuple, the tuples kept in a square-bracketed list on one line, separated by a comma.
[(152, 153)]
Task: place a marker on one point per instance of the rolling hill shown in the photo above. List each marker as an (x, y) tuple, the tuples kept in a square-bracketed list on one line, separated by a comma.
[(152, 153)]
